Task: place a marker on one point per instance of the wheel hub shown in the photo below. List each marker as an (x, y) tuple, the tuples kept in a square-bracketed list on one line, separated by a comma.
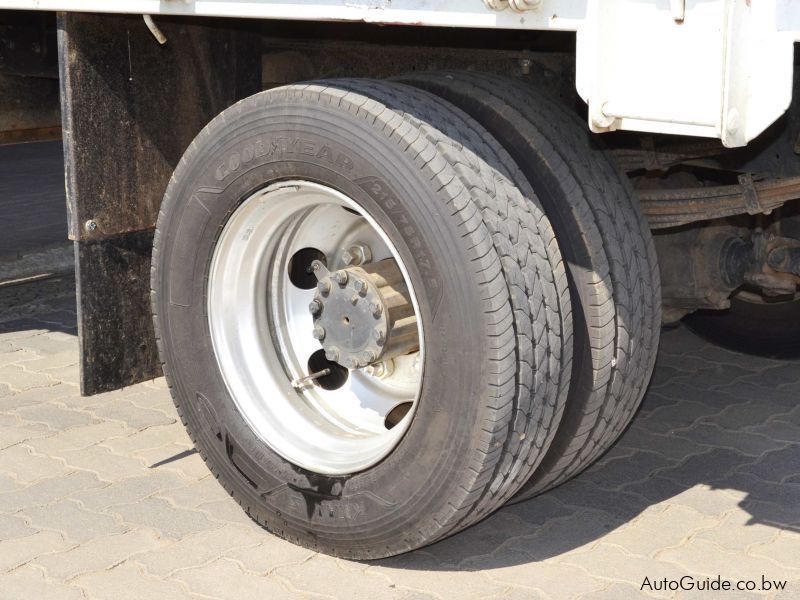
[(363, 314)]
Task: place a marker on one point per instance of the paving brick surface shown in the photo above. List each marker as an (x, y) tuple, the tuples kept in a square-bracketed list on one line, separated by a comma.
[(104, 497)]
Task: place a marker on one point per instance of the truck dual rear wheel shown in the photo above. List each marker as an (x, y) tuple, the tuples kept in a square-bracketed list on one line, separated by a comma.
[(348, 305)]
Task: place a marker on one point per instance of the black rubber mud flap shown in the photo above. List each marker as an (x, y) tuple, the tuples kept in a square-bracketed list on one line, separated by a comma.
[(130, 108)]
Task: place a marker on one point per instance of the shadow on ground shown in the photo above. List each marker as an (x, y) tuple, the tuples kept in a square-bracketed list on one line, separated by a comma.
[(711, 420), (42, 305)]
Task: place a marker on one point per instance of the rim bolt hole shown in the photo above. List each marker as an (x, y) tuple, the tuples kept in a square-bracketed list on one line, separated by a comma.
[(396, 414)]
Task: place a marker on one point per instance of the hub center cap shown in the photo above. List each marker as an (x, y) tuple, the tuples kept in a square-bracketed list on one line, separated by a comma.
[(363, 314), (349, 317)]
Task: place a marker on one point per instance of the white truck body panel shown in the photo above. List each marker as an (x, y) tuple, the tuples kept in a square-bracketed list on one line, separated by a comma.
[(713, 68)]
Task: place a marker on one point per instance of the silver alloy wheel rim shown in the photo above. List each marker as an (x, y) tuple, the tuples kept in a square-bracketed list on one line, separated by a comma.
[(261, 331)]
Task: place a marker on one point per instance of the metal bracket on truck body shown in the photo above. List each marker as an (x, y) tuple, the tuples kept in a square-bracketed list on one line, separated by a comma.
[(711, 68)]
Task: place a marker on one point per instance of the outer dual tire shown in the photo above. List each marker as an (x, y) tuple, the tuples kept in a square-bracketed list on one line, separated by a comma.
[(489, 285)]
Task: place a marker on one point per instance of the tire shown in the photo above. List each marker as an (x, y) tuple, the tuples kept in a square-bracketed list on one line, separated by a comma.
[(760, 328), (532, 267), (423, 196), (613, 274)]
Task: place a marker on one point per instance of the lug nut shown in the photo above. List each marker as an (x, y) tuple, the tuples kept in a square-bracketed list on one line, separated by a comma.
[(319, 333), (376, 309), (360, 286), (380, 337), (324, 287), (315, 307), (350, 363), (332, 354), (340, 277), (368, 356), (354, 298)]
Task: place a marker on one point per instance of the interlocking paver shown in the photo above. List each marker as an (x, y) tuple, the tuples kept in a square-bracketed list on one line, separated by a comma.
[(126, 582), (269, 554), (610, 563), (19, 551), (626, 470), (782, 548), (127, 491), (26, 467), (103, 463), (194, 494), (30, 582), (37, 396), (12, 526), (778, 430), (670, 445), (49, 490), (130, 414), (77, 438), (19, 379), (224, 579), (17, 355), (178, 458), (150, 438), (616, 591), (97, 554), (323, 576), (206, 546), (554, 580), (707, 558), (776, 465), (404, 571), (104, 497), (16, 434), (710, 435), (7, 484), (55, 417), (737, 531), (747, 414), (655, 530), (75, 523), (161, 516)]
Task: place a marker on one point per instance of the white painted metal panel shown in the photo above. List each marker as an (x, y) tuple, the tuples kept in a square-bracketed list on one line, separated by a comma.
[(715, 68), (722, 70), (553, 14)]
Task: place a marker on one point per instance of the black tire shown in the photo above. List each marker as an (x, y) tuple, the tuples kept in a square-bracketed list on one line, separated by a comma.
[(614, 280), (762, 329), (532, 267), (444, 468)]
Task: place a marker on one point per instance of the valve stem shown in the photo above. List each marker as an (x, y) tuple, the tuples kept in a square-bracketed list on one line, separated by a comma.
[(304, 381)]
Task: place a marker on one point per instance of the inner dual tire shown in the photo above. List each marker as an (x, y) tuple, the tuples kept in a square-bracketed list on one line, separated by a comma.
[(396, 169), (606, 243)]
